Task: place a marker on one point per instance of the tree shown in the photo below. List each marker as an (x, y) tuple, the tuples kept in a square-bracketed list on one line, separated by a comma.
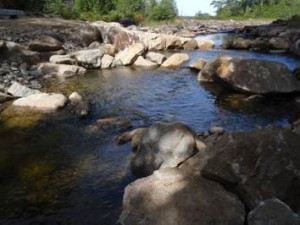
[(164, 10)]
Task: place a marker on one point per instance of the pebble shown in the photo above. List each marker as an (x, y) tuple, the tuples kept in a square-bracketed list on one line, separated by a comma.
[(217, 130)]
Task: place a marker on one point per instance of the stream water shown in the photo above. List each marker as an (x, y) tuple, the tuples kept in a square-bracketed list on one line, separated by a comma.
[(57, 169)]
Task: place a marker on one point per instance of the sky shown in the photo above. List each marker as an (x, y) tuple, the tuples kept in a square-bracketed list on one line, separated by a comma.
[(191, 7)]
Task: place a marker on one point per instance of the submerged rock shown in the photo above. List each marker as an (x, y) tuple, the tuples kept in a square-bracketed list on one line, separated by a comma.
[(80, 106), (161, 145), (170, 197)]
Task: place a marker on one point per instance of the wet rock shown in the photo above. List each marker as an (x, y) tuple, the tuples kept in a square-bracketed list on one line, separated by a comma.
[(90, 58), (273, 211), (216, 130), (129, 55), (198, 65), (160, 146), (260, 44), (113, 123), (258, 76), (45, 44), (191, 45), (170, 197), (206, 44), (279, 43), (107, 61), (18, 90), (80, 106), (176, 60), (156, 57), (209, 71), (42, 102), (62, 59), (60, 70), (141, 62)]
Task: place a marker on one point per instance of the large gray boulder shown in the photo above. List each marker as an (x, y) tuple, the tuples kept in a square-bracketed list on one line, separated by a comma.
[(87, 34), (60, 70), (259, 165), (176, 60), (170, 197), (273, 212), (18, 90), (45, 44), (153, 41), (258, 76), (155, 57), (90, 58), (160, 146), (42, 102)]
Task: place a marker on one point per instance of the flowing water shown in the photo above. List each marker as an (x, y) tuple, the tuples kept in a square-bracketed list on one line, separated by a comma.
[(58, 169)]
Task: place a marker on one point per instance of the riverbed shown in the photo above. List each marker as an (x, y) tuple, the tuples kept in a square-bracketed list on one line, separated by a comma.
[(59, 169)]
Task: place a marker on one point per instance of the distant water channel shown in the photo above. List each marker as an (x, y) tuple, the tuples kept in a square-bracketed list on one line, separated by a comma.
[(57, 169)]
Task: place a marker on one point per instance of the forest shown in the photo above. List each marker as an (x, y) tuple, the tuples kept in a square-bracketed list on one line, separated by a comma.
[(107, 10), (256, 8)]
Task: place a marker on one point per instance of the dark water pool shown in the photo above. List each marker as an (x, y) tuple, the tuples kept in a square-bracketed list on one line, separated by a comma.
[(57, 169)]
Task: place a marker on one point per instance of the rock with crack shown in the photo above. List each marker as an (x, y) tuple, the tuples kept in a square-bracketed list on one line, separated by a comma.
[(159, 146), (273, 211), (170, 197), (130, 54)]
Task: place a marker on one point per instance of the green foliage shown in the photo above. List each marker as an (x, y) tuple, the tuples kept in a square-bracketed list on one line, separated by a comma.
[(256, 8), (164, 10), (60, 7), (201, 15)]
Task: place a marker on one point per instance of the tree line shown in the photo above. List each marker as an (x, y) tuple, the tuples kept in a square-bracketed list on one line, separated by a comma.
[(256, 8), (109, 10)]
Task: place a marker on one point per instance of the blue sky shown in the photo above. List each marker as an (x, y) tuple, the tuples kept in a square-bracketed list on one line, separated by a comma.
[(190, 7)]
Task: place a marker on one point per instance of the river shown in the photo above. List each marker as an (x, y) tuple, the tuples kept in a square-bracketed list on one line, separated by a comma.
[(57, 169)]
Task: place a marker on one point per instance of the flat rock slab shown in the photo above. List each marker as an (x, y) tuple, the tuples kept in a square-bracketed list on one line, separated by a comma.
[(18, 90), (42, 102)]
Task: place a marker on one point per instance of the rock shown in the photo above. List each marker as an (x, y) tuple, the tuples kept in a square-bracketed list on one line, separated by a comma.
[(186, 34), (191, 45), (198, 65), (90, 58), (154, 42), (260, 44), (18, 90), (176, 60), (160, 146), (42, 102), (279, 43), (156, 57), (5, 97), (62, 59), (126, 22), (170, 197), (107, 61), (86, 35), (206, 44), (141, 62), (80, 107), (173, 42), (45, 56), (258, 76), (60, 70), (113, 123), (209, 71), (241, 43), (109, 49), (129, 55), (273, 211), (259, 165), (45, 44), (216, 130)]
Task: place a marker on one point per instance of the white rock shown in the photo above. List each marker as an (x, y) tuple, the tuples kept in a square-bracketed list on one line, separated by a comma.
[(107, 61), (141, 62), (156, 57), (61, 70), (18, 90), (176, 60)]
